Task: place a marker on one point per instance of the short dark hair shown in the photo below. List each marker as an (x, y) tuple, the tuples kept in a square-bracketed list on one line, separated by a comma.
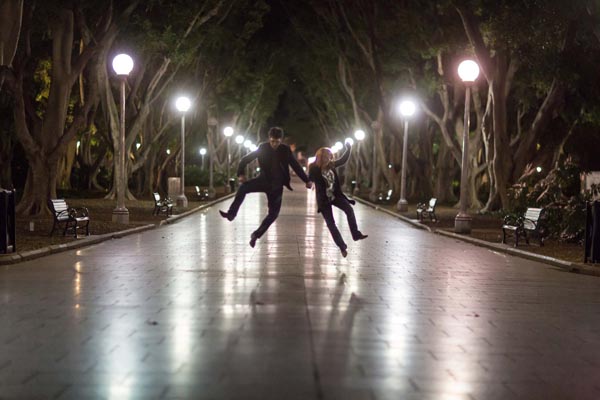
[(276, 132)]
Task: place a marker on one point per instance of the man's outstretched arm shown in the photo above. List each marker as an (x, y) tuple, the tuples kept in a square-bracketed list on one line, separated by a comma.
[(298, 170)]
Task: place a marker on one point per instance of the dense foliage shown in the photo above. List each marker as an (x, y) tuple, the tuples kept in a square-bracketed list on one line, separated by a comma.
[(321, 69)]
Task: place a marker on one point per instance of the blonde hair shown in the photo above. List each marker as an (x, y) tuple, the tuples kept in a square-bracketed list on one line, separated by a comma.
[(319, 158)]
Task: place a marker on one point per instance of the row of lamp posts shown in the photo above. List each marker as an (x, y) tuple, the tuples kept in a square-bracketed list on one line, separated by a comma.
[(123, 65), (468, 72), (240, 141)]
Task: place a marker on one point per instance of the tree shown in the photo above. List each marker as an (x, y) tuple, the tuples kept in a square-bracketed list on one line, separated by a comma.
[(497, 41), (41, 121)]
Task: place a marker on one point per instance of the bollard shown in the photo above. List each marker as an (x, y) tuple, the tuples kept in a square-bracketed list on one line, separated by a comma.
[(232, 185), (592, 232), (7, 222)]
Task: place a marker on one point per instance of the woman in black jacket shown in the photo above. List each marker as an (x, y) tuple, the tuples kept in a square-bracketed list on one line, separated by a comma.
[(329, 193)]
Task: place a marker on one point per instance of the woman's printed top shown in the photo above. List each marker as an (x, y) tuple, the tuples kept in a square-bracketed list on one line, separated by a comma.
[(330, 179)]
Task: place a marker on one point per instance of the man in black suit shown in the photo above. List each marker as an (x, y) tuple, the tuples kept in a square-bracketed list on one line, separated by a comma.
[(274, 160)]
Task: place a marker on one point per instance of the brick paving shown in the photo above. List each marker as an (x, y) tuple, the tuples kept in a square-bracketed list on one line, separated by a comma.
[(190, 311)]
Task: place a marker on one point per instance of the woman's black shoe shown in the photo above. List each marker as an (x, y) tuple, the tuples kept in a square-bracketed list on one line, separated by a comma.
[(226, 215), (361, 237), (253, 239)]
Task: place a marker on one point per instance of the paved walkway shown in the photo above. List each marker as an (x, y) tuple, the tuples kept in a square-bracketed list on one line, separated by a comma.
[(190, 311)]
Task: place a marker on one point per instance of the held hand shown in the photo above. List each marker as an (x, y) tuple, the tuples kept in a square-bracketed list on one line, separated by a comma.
[(309, 185), (242, 178)]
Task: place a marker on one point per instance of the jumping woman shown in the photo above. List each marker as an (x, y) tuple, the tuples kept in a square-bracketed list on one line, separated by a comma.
[(329, 193)]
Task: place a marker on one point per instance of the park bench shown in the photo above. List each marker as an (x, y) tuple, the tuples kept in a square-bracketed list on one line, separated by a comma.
[(162, 205), (530, 224), (201, 193), (427, 210), (72, 218)]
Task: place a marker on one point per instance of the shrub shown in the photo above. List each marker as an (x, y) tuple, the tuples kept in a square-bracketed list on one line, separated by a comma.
[(196, 176), (560, 195)]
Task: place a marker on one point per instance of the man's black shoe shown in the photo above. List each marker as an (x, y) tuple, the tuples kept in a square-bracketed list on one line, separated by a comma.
[(226, 215), (361, 237), (253, 239)]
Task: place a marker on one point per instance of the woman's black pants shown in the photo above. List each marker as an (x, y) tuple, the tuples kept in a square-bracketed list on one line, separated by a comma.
[(327, 211)]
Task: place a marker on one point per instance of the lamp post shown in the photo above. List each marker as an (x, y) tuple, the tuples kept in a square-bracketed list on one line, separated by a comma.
[(239, 140), (122, 64), (247, 145), (407, 110), (350, 141), (228, 132), (375, 128), (202, 154), (468, 71), (212, 126), (359, 135), (183, 104)]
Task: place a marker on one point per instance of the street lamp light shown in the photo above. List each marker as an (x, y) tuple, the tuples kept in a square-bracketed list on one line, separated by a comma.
[(337, 147), (202, 154), (407, 110), (359, 135), (228, 132), (468, 71), (122, 65), (182, 104), (239, 140)]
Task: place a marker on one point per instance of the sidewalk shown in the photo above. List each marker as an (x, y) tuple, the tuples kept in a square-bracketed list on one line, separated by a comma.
[(576, 267), (190, 311)]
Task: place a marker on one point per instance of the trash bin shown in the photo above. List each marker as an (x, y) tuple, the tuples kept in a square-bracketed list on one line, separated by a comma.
[(592, 232), (232, 185), (352, 186), (7, 222)]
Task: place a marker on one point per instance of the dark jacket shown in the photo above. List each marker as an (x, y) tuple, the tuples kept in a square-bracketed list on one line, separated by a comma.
[(265, 154), (315, 175)]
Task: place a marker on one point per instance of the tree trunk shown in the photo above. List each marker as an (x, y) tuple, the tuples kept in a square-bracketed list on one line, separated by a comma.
[(502, 161), (445, 171), (39, 187)]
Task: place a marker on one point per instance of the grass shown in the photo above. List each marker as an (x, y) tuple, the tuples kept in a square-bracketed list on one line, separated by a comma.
[(100, 211)]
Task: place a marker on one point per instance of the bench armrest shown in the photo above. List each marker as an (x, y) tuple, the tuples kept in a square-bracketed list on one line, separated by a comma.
[(421, 206), (512, 220), (78, 212), (533, 223), (63, 213)]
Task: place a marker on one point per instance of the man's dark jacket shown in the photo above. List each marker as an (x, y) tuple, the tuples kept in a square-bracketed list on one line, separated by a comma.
[(315, 175), (265, 154)]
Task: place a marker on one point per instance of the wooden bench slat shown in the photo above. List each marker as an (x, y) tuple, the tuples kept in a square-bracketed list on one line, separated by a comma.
[(427, 210), (529, 224), (72, 218), (162, 205)]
